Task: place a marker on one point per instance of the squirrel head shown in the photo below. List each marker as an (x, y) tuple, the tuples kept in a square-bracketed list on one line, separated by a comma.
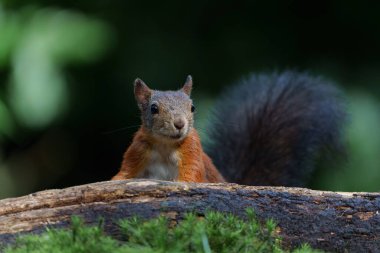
[(166, 114)]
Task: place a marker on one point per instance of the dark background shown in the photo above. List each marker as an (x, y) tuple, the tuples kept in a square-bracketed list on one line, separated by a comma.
[(67, 68)]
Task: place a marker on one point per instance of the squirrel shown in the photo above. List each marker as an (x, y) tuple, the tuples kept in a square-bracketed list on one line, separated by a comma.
[(268, 129)]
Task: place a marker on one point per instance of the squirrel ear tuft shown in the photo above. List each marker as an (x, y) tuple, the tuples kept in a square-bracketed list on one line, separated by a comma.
[(188, 85), (142, 93)]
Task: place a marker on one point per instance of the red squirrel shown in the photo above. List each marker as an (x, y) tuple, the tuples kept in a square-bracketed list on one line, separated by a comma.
[(167, 146), (267, 130)]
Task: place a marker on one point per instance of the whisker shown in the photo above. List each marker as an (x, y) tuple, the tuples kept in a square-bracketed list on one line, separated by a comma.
[(120, 129)]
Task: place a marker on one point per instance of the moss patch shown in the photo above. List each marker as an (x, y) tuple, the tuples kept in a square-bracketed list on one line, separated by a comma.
[(216, 232)]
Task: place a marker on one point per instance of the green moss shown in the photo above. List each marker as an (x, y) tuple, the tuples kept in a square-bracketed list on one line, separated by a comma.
[(216, 232)]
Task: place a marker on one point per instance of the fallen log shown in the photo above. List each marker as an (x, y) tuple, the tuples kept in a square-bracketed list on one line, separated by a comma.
[(332, 221)]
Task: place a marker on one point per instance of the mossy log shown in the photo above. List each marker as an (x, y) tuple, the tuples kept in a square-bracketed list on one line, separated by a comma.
[(332, 221)]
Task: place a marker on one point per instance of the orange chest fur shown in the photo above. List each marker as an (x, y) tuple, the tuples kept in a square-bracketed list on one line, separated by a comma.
[(184, 161), (165, 161)]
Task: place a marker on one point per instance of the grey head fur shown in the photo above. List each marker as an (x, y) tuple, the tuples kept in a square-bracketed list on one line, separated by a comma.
[(172, 117)]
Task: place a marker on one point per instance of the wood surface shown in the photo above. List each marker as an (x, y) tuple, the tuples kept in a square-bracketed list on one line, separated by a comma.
[(332, 221)]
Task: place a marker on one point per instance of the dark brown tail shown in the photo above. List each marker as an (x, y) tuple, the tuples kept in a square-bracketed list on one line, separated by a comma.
[(270, 129)]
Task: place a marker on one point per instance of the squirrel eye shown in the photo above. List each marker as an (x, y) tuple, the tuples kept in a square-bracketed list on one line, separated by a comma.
[(192, 108), (154, 109)]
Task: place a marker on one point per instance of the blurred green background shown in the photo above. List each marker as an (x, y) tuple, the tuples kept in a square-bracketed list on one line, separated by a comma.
[(67, 67)]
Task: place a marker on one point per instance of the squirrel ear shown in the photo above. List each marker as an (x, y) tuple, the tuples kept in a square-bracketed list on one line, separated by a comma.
[(142, 93), (188, 85)]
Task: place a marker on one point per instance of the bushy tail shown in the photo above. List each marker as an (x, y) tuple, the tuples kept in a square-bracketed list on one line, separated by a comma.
[(270, 129)]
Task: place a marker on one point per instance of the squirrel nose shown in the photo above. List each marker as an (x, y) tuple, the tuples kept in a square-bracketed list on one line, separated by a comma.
[(179, 124)]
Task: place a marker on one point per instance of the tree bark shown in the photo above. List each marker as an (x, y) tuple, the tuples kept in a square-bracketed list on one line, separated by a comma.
[(332, 221)]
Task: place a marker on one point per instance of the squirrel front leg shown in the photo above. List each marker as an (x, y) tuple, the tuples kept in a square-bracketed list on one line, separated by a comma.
[(134, 159), (191, 171), (191, 167)]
